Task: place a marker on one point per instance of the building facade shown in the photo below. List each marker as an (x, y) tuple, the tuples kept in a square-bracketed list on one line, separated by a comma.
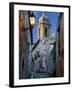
[(24, 46), (60, 47), (41, 51)]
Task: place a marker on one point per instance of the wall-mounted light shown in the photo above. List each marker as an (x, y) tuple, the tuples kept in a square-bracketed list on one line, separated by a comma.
[(32, 19)]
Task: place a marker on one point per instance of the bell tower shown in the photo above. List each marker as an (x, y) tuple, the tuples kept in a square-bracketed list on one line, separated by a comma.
[(43, 27)]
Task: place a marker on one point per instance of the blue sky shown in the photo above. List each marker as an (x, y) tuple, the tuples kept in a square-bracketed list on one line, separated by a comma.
[(52, 16)]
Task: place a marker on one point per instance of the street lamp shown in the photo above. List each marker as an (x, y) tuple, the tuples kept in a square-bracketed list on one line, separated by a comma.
[(32, 20)]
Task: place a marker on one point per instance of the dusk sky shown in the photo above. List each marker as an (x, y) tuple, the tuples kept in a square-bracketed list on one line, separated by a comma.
[(52, 16)]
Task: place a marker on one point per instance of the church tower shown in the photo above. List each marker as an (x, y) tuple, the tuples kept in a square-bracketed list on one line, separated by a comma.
[(43, 27)]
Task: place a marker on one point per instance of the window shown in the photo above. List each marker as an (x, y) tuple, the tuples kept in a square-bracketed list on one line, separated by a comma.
[(45, 31)]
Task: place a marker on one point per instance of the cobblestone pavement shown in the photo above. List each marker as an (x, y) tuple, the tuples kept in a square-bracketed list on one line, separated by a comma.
[(40, 75)]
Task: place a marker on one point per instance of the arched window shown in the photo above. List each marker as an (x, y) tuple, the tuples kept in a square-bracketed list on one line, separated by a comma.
[(45, 31)]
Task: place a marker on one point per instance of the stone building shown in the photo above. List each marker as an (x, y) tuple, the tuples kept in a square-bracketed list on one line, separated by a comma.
[(24, 45), (41, 56), (60, 47), (43, 27)]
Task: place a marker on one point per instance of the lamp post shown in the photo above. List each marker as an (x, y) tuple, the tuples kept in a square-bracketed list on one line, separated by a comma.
[(32, 19)]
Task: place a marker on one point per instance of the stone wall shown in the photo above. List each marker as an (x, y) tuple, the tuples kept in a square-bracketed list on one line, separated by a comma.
[(60, 48), (24, 46)]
